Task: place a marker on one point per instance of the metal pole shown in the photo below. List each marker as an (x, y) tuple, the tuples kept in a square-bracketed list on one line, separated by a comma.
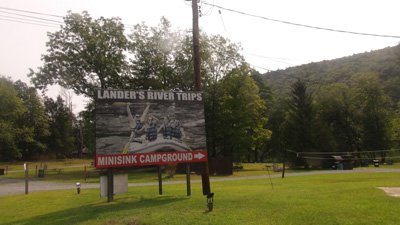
[(84, 172), (272, 185), (284, 165), (26, 177)]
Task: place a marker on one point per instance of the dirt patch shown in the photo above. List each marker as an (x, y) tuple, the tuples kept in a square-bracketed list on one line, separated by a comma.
[(392, 191)]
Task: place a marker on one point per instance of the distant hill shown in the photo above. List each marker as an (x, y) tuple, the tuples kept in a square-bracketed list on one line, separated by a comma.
[(385, 63)]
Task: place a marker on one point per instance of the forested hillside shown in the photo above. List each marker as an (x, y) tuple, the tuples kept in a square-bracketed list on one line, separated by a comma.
[(384, 63)]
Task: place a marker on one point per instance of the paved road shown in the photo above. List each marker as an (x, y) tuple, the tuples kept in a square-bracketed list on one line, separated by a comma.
[(10, 186)]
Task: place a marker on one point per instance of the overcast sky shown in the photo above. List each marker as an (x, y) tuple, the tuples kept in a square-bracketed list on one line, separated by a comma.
[(267, 44)]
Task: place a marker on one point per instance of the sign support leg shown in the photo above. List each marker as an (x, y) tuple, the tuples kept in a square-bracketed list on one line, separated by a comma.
[(205, 178), (110, 184), (188, 179), (159, 180)]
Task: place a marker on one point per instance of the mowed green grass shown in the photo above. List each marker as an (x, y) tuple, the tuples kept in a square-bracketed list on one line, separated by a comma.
[(314, 199)]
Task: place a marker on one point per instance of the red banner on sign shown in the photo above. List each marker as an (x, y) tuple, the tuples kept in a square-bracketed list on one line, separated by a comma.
[(123, 160)]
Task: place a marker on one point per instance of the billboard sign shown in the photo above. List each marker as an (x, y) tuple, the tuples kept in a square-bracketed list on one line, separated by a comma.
[(137, 128)]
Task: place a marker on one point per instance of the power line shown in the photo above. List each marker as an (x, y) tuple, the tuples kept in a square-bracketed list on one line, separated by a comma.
[(223, 24), (301, 25), (28, 20), (18, 10), (276, 58), (268, 70), (269, 58), (33, 17), (43, 25)]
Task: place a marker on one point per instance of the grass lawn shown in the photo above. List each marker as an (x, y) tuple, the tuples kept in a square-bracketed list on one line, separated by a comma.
[(316, 199)]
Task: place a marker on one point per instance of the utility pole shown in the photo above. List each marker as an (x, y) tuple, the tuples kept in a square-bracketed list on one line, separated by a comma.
[(205, 173), (196, 46)]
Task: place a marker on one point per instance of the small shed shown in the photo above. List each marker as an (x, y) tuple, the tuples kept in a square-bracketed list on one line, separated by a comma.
[(344, 162)]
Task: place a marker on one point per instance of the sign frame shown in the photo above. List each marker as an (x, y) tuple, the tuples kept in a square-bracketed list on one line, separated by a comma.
[(120, 144)]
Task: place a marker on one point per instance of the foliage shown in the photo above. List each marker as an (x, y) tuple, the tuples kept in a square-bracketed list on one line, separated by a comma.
[(300, 123), (374, 113), (87, 117), (385, 63), (276, 113), (374, 108), (11, 109), (396, 128), (161, 58), (238, 117), (62, 138), (218, 58), (34, 121), (353, 109), (335, 106), (85, 54)]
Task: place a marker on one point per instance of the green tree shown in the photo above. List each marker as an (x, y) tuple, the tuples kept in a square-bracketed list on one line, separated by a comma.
[(396, 128), (88, 126), (299, 131), (11, 109), (218, 58), (336, 107), (33, 121), (239, 115), (265, 93), (276, 113), (163, 58), (374, 113), (62, 139), (85, 54), (160, 58)]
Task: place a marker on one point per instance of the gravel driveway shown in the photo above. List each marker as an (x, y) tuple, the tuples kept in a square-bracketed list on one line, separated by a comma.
[(10, 186)]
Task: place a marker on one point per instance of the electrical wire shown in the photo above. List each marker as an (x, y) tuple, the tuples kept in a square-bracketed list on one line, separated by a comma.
[(269, 58), (272, 59), (43, 25), (276, 58), (301, 25), (268, 70), (223, 24), (18, 10), (209, 12), (33, 17)]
